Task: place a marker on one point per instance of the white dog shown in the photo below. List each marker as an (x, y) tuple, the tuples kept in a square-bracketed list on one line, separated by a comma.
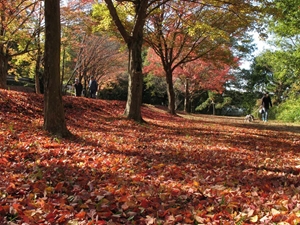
[(249, 118)]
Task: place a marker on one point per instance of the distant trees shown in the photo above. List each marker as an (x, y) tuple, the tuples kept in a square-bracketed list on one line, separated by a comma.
[(99, 56), (277, 70), (17, 32), (182, 33), (191, 78), (179, 32), (86, 51)]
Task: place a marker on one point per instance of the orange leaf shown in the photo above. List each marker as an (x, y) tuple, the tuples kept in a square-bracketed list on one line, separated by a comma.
[(59, 186), (80, 215)]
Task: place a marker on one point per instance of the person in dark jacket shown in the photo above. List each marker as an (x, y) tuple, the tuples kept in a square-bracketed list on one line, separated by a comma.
[(266, 104), (78, 87), (93, 87)]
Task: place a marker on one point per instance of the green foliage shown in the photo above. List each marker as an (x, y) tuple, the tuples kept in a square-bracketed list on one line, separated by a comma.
[(23, 66), (154, 90), (102, 15), (289, 111), (287, 23), (218, 101), (104, 20)]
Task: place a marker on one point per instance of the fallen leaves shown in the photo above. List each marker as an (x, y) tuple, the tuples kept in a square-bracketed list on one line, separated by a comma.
[(171, 170)]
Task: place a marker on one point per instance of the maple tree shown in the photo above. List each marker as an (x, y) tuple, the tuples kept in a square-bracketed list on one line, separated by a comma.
[(225, 20), (133, 37), (183, 32), (189, 169), (192, 78), (16, 32)]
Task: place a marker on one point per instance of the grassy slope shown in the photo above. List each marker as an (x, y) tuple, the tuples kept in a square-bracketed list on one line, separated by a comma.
[(172, 170)]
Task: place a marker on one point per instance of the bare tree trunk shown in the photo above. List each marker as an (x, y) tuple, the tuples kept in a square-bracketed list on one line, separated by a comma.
[(187, 96), (171, 93), (39, 53), (38, 70), (54, 116), (135, 81), (3, 69), (3, 59)]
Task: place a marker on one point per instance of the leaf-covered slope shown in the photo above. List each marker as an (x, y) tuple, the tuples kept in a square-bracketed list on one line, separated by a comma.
[(170, 170)]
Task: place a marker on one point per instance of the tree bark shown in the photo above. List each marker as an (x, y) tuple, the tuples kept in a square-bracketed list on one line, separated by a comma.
[(171, 93), (187, 96), (135, 81), (3, 60), (38, 70), (134, 41), (3, 69), (54, 117)]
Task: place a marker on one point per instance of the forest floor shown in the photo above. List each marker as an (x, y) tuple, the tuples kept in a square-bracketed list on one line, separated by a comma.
[(185, 169)]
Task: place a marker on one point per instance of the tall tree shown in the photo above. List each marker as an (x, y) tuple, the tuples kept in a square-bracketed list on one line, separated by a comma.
[(225, 21), (39, 51), (182, 32), (133, 37), (54, 117)]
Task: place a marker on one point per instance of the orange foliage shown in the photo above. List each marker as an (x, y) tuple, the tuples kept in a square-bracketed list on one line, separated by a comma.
[(186, 169)]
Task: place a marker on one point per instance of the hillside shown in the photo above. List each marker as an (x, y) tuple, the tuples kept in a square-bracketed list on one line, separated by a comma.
[(188, 169)]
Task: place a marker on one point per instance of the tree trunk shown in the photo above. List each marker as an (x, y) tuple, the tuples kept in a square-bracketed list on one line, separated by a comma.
[(171, 93), (214, 109), (3, 69), (135, 81), (38, 70), (54, 117), (3, 59), (187, 96)]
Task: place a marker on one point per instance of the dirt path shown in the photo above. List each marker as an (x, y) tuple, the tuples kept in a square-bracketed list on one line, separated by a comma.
[(239, 121)]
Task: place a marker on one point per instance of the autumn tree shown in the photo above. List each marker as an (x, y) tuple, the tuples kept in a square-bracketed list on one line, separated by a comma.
[(132, 32), (182, 32), (100, 56), (178, 20), (38, 56), (16, 32), (76, 28), (29, 64), (200, 76), (54, 117), (192, 78)]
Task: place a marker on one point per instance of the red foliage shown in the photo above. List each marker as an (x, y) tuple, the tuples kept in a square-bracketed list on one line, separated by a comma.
[(203, 75), (172, 170)]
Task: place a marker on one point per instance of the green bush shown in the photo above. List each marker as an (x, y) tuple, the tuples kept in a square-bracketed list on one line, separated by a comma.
[(289, 111)]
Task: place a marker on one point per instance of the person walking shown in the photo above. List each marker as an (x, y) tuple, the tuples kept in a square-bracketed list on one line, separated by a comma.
[(78, 87), (266, 104), (93, 87)]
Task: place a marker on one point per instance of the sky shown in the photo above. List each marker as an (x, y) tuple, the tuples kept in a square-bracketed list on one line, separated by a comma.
[(261, 46)]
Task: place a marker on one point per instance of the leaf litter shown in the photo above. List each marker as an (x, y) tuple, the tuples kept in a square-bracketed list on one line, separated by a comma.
[(186, 169)]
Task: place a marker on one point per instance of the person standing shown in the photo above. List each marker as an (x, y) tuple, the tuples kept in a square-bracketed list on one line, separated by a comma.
[(78, 87), (93, 87), (266, 104)]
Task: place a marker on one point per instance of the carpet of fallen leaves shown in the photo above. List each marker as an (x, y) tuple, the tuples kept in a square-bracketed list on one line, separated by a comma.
[(186, 169)]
